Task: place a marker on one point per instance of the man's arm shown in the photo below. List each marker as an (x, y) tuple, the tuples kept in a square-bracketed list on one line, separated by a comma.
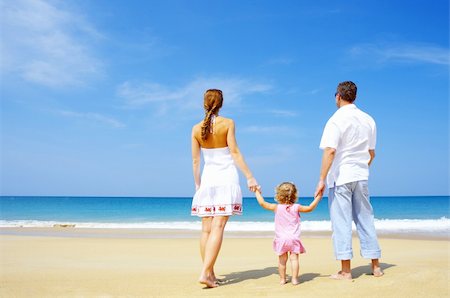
[(372, 155), (327, 160)]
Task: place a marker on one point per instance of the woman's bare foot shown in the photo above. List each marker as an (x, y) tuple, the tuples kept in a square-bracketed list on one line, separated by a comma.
[(283, 281), (210, 283), (220, 281), (294, 281), (341, 276)]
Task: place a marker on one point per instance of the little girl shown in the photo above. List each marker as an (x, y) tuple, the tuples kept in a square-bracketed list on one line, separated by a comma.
[(287, 226)]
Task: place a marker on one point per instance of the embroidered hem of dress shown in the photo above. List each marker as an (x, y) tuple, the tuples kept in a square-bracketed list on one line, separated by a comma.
[(215, 210)]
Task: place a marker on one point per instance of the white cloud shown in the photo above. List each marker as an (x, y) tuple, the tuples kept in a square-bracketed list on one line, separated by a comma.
[(403, 52), (280, 61), (273, 156), (283, 113), (138, 94), (269, 129), (46, 44), (190, 95), (313, 92), (92, 117)]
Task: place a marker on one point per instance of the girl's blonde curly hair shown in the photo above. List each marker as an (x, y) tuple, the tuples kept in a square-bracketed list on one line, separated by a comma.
[(286, 193)]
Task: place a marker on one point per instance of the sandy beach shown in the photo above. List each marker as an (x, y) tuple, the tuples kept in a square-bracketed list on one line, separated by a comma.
[(56, 263)]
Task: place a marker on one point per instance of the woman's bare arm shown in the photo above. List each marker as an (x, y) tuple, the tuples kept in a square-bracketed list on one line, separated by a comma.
[(195, 158), (238, 158)]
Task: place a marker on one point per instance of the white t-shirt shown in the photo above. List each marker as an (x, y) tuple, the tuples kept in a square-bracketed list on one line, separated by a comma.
[(352, 133)]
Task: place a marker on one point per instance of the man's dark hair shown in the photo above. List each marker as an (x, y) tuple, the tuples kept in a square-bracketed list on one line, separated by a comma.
[(347, 91)]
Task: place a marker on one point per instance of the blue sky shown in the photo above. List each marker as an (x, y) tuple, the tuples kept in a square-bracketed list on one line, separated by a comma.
[(99, 97)]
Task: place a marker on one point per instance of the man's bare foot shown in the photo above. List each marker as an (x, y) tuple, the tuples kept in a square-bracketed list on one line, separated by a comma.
[(342, 276), (294, 281), (377, 272), (210, 283)]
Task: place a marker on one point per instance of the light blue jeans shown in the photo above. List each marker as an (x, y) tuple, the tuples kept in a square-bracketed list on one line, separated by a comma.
[(351, 202)]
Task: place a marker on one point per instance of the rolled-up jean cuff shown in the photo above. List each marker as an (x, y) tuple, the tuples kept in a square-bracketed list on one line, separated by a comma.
[(346, 255), (371, 254)]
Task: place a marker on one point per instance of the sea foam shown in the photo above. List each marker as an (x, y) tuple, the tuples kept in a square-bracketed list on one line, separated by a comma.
[(439, 226)]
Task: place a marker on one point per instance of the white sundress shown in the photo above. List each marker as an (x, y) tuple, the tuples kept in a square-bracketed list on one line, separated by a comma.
[(219, 192)]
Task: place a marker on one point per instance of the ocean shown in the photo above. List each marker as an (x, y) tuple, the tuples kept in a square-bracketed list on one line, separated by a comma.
[(425, 215)]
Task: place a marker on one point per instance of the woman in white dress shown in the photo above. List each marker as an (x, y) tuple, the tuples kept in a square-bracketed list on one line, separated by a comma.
[(218, 194)]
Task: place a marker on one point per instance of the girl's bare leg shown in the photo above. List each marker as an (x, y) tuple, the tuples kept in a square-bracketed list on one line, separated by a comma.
[(282, 267), (211, 251), (295, 268)]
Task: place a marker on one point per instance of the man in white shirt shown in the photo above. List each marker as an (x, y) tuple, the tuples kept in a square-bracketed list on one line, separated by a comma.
[(348, 144)]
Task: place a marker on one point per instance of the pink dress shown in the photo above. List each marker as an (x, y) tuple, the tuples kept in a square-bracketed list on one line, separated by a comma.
[(287, 230)]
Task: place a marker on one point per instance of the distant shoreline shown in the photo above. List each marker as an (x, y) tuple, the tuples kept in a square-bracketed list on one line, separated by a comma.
[(73, 232), (401, 228)]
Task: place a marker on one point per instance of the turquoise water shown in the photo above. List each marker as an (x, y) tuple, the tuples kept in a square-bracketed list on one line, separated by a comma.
[(132, 209), (425, 214)]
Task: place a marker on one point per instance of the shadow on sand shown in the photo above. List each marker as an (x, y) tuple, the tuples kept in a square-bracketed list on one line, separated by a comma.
[(367, 270), (236, 277), (308, 277)]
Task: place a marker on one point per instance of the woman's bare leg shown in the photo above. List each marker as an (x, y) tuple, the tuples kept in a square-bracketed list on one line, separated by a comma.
[(212, 248), (206, 230)]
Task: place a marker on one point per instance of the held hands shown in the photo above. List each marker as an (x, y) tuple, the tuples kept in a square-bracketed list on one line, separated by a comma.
[(320, 189), (253, 185)]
